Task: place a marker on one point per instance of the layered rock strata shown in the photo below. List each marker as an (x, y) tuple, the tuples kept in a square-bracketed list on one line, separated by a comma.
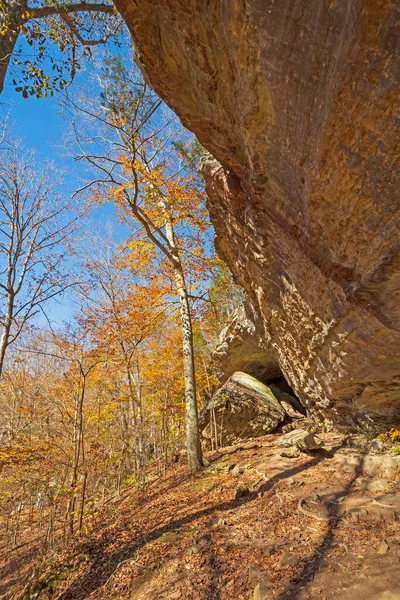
[(299, 104)]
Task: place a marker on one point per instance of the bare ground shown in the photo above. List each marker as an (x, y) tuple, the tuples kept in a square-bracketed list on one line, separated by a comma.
[(308, 528)]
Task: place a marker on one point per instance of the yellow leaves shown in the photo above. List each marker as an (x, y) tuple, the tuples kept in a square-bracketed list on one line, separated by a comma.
[(393, 435), (139, 257), (21, 456)]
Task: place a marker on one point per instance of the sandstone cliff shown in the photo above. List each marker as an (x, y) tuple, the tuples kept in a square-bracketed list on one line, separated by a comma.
[(298, 103)]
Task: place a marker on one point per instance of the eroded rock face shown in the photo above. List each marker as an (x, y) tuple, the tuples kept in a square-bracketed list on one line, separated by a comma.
[(298, 103), (240, 349)]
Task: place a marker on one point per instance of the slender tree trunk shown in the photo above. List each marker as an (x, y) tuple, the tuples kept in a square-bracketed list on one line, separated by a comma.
[(78, 442), (193, 447), (140, 433), (5, 334), (10, 23), (82, 501)]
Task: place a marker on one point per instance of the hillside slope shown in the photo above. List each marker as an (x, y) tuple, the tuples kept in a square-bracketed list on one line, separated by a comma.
[(254, 522)]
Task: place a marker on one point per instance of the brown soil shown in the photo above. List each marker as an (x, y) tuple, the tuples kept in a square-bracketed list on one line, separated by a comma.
[(308, 529)]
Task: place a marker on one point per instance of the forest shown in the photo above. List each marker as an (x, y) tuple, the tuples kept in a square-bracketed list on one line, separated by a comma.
[(87, 407)]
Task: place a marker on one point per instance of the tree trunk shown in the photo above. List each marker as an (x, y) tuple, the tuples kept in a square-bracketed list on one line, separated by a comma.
[(193, 447), (10, 23), (78, 445), (5, 334)]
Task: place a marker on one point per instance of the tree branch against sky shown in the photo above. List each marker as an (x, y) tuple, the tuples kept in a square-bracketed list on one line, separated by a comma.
[(35, 226), (56, 36)]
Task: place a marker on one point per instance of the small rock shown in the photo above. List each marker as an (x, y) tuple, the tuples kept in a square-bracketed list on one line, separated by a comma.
[(289, 559), (379, 485), (388, 515), (291, 452), (377, 446), (242, 467), (221, 523), (383, 548), (221, 468), (287, 399), (261, 591), (288, 427), (293, 482), (241, 492), (170, 537), (301, 438), (357, 513), (382, 514), (269, 550), (255, 575), (290, 411), (384, 466)]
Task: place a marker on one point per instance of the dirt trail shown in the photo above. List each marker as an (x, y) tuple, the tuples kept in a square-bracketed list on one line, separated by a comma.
[(306, 528)]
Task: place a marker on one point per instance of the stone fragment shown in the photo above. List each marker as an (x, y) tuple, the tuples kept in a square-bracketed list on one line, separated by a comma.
[(386, 466), (379, 485), (387, 514), (170, 537), (292, 482), (242, 467), (377, 446), (262, 591), (291, 452), (301, 438), (290, 411), (383, 547), (241, 492), (216, 490), (357, 513), (289, 559), (220, 468), (269, 549), (292, 405), (255, 575)]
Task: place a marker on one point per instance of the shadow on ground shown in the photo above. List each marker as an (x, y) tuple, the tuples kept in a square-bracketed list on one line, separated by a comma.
[(105, 565)]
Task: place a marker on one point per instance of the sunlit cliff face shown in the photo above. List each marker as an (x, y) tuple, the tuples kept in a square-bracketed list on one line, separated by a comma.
[(298, 103)]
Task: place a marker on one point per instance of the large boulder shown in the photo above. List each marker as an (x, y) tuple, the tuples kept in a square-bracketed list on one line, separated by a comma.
[(242, 408), (299, 104)]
